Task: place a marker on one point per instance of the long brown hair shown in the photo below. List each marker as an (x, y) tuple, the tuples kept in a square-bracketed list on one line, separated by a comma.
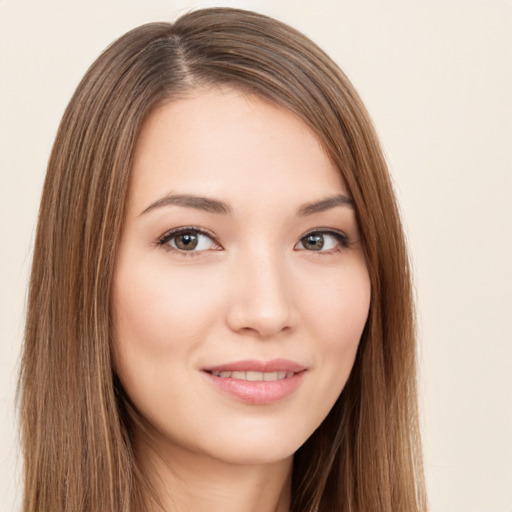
[(365, 456)]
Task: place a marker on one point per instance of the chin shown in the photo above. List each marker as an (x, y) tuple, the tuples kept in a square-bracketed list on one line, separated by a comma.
[(261, 444)]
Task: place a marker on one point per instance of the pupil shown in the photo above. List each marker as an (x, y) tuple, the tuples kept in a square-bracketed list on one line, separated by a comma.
[(315, 242), (186, 241)]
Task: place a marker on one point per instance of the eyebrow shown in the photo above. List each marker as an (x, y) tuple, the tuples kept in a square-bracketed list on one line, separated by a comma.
[(325, 204), (190, 201), (215, 206)]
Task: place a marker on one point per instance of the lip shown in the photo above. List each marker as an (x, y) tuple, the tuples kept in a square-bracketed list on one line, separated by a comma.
[(254, 365), (257, 392)]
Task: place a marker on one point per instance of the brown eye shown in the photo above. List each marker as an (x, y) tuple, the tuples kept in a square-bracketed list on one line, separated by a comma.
[(185, 241), (313, 242), (322, 241), (191, 240)]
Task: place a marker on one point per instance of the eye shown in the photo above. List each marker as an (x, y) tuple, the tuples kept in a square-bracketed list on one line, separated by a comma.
[(323, 241), (187, 239)]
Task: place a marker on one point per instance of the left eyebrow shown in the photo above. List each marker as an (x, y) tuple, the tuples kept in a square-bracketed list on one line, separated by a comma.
[(325, 204)]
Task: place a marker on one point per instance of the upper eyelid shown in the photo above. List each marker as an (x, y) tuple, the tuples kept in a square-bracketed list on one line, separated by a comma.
[(204, 231), (184, 229), (324, 230), (328, 231)]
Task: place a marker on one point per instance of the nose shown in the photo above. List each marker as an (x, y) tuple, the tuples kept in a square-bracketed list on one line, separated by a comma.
[(262, 298)]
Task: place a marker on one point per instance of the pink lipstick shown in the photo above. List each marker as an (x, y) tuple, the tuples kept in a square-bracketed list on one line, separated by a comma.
[(257, 382)]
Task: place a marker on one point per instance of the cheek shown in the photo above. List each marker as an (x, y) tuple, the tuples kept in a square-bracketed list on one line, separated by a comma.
[(335, 315), (337, 307), (158, 308), (160, 319)]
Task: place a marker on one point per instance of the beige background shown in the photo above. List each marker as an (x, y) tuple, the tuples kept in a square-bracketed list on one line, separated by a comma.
[(437, 79)]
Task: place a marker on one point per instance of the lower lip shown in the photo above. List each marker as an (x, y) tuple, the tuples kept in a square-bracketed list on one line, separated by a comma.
[(257, 392)]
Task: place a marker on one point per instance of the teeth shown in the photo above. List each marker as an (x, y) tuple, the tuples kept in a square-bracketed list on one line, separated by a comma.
[(255, 376)]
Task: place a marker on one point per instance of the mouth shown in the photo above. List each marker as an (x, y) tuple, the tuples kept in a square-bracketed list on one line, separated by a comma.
[(254, 376), (257, 382)]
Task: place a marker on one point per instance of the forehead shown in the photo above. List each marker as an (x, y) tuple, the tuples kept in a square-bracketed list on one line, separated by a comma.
[(227, 143)]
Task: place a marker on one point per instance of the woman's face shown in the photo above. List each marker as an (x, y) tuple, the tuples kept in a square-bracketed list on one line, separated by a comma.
[(241, 289)]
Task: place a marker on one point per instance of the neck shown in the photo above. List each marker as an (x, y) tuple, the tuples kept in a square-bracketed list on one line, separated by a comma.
[(185, 481)]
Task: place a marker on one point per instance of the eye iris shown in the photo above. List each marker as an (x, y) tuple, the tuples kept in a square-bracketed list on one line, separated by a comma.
[(186, 241), (313, 242)]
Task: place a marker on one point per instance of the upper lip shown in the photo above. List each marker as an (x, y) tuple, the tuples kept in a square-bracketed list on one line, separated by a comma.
[(254, 365)]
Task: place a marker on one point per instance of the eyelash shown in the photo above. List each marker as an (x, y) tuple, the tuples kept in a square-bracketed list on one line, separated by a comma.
[(163, 241), (342, 239)]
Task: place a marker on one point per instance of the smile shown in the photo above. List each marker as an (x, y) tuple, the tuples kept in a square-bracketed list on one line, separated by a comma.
[(257, 382), (254, 376)]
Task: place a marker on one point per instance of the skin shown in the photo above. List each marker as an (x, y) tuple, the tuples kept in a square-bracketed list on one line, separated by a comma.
[(252, 290)]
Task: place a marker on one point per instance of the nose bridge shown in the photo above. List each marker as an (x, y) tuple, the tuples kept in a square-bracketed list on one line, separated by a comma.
[(262, 301)]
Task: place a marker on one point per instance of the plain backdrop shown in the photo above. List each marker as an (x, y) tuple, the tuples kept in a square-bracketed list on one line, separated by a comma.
[(436, 77)]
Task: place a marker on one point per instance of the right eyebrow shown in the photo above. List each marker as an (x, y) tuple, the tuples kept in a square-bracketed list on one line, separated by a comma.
[(190, 201)]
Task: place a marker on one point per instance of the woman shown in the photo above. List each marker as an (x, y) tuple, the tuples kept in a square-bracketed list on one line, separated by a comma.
[(220, 310)]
